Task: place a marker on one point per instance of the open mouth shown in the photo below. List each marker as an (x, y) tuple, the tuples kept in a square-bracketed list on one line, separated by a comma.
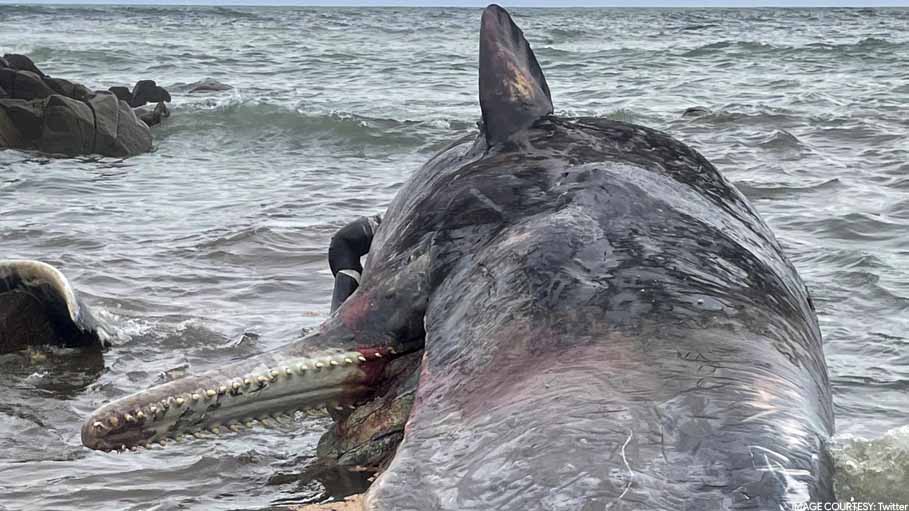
[(257, 390)]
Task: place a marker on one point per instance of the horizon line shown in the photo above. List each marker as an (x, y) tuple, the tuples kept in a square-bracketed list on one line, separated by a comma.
[(733, 4)]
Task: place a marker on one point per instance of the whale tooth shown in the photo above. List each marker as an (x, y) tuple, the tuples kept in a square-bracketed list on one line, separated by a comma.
[(234, 427), (301, 367), (266, 422), (247, 382), (114, 422), (98, 425), (215, 429), (235, 385), (153, 409), (179, 437), (262, 380), (348, 361), (210, 393), (140, 414), (274, 374), (180, 401), (288, 372), (129, 418), (319, 365), (333, 363), (222, 390), (378, 355), (196, 396), (361, 358)]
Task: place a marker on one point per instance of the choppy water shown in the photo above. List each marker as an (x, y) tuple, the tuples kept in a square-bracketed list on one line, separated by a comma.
[(223, 230)]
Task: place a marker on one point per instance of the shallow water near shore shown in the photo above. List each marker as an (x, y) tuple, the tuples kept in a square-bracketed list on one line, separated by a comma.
[(213, 247)]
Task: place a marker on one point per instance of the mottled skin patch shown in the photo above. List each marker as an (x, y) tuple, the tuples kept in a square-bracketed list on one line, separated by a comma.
[(608, 324), (355, 311), (519, 87)]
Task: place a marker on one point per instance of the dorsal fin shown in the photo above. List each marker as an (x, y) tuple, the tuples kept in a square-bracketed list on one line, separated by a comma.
[(513, 90)]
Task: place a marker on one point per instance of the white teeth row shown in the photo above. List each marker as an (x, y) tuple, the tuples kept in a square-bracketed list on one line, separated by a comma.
[(159, 409), (269, 421)]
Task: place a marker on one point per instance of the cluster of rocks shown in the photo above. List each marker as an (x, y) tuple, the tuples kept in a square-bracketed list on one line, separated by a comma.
[(58, 116)]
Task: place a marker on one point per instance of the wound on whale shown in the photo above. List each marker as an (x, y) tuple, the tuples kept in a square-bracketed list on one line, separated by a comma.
[(555, 313)]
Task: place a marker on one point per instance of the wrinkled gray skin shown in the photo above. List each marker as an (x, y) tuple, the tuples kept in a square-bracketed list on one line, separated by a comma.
[(602, 322)]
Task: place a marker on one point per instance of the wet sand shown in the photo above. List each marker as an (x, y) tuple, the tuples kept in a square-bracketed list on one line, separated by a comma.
[(353, 503)]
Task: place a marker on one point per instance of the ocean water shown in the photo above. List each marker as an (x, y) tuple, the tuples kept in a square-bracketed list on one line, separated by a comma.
[(213, 247)]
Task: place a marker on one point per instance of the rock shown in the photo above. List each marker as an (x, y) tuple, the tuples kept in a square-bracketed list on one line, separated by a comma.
[(9, 135), (23, 84), (106, 109), (22, 63), (68, 88), (133, 135), (29, 85), (58, 116), (696, 111), (117, 131), (27, 117), (7, 79), (62, 125), (121, 92), (147, 91), (207, 85), (69, 127), (154, 117)]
